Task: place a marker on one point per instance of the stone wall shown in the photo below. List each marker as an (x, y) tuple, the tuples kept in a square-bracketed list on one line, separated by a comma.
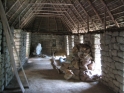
[(112, 45), (94, 41), (6, 73), (109, 49), (28, 42), (20, 43), (70, 44), (49, 43)]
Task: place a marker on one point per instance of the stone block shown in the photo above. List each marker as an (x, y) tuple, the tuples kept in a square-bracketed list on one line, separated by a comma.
[(109, 53), (121, 33), (116, 89), (121, 87), (121, 73), (112, 75), (107, 39), (118, 59), (120, 40), (115, 33), (115, 72), (102, 41), (119, 79), (110, 47), (104, 70), (106, 47), (0, 37), (116, 46), (121, 54), (108, 63), (113, 40), (122, 47), (116, 83), (112, 65), (119, 66), (103, 52), (114, 52), (0, 25), (0, 31), (109, 59), (103, 64)]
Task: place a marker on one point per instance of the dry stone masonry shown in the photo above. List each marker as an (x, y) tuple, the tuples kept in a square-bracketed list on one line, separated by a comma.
[(20, 43), (28, 42), (112, 58), (6, 73), (49, 43)]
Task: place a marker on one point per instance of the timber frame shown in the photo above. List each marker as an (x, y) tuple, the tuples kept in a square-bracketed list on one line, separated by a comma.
[(64, 16)]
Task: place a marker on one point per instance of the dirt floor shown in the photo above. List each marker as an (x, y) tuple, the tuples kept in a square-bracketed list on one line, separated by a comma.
[(44, 79)]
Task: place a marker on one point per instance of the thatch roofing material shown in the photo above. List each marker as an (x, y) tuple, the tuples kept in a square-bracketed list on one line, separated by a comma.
[(74, 16)]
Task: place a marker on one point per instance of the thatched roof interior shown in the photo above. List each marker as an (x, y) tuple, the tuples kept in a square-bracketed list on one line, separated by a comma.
[(65, 16)]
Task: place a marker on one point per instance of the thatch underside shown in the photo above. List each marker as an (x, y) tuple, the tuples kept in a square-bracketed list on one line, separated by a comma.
[(65, 16)]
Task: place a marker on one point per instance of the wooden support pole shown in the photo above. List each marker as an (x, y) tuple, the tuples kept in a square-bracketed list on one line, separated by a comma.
[(8, 39)]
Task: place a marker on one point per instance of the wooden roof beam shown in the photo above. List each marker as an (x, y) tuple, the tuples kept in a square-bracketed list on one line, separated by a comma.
[(95, 11), (66, 17), (13, 23), (30, 9), (78, 15), (26, 20), (48, 15), (17, 10), (51, 4), (48, 11), (110, 14), (87, 14), (66, 23), (12, 7)]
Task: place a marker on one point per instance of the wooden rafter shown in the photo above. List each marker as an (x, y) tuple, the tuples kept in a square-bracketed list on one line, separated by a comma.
[(95, 11), (79, 16), (51, 4), (31, 13), (48, 15), (87, 14), (17, 10), (110, 14), (13, 23), (12, 7), (48, 11), (25, 22), (64, 16), (67, 14), (30, 19), (66, 23)]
